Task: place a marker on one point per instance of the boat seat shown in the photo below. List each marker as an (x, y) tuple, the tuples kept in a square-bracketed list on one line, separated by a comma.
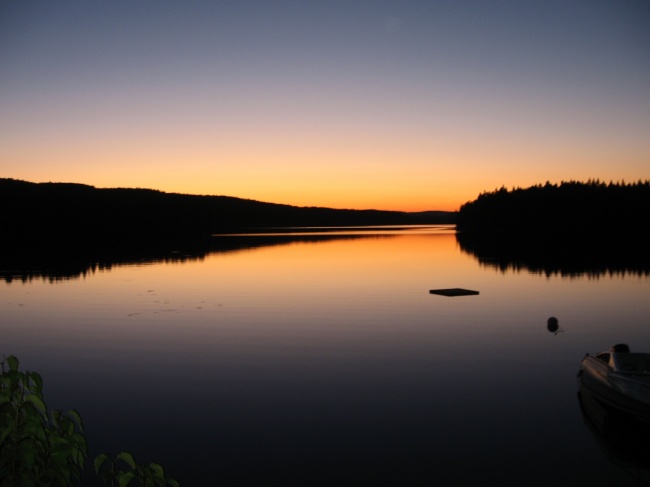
[(630, 362)]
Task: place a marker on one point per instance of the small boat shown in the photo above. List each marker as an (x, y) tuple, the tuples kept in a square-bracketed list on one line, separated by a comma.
[(619, 378)]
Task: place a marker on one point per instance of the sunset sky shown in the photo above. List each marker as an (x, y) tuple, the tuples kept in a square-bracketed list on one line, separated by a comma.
[(401, 105)]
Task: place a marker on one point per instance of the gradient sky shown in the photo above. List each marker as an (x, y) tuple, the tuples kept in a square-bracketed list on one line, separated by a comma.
[(403, 105)]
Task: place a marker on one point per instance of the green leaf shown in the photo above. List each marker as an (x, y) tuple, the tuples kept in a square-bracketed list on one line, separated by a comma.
[(81, 441), (157, 469), (126, 457), (11, 380), (81, 458), (27, 457), (37, 402), (123, 479), (6, 431), (99, 462), (37, 380), (74, 414), (173, 482), (56, 416), (12, 362), (36, 430), (56, 442)]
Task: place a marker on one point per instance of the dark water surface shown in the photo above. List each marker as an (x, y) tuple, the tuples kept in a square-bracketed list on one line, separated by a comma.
[(305, 360)]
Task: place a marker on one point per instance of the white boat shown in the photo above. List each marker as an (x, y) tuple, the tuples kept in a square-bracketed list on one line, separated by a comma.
[(620, 379)]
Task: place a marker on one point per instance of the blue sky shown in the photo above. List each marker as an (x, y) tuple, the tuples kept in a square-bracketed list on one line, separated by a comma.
[(393, 105)]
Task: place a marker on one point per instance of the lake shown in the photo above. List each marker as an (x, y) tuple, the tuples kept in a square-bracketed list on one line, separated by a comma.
[(322, 358)]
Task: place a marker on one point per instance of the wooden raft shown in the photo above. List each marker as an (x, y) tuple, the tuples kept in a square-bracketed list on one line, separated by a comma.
[(454, 292)]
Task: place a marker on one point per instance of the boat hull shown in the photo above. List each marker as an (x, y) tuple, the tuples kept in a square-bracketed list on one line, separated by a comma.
[(624, 439), (627, 393)]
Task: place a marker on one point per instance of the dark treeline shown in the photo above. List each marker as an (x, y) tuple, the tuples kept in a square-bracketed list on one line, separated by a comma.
[(569, 229), (47, 212), (576, 207)]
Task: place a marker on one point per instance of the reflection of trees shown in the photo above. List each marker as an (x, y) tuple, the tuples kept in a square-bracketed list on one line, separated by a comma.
[(70, 261), (62, 230), (573, 228), (562, 253)]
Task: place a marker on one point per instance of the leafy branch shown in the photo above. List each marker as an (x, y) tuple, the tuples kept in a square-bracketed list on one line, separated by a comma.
[(147, 475), (39, 449)]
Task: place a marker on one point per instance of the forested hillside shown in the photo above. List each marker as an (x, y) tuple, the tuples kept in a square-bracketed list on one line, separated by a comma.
[(55, 211), (569, 207)]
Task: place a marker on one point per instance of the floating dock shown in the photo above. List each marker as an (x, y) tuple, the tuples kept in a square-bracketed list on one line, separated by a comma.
[(454, 292)]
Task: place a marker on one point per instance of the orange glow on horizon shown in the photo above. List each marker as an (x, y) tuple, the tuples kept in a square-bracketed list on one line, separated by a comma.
[(340, 114), (413, 172)]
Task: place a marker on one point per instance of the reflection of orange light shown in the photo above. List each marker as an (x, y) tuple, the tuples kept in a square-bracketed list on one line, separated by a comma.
[(311, 264)]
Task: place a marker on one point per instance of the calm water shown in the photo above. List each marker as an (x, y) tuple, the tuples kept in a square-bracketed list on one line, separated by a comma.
[(328, 360)]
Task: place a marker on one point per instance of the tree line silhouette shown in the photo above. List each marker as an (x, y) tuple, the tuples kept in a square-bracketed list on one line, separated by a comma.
[(577, 207), (50, 212), (62, 231), (570, 229)]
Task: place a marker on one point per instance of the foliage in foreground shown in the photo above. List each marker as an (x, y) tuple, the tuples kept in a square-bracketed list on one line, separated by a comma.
[(41, 448)]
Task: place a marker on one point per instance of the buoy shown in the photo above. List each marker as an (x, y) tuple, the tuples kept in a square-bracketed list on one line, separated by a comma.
[(552, 325)]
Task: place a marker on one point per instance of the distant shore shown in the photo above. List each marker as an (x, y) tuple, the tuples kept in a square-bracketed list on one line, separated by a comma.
[(55, 212)]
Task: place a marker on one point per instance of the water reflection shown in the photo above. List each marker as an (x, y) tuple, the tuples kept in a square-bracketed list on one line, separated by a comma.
[(66, 263), (624, 439), (559, 254), (70, 261), (548, 255), (326, 356)]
